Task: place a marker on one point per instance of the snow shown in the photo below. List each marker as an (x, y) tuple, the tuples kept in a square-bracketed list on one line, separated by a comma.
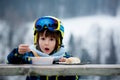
[(80, 26)]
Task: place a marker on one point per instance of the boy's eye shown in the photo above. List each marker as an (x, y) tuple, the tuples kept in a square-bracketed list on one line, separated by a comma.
[(42, 38), (52, 39)]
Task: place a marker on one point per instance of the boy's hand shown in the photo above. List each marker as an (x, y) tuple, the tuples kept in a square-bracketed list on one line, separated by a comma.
[(23, 48), (62, 59), (70, 60)]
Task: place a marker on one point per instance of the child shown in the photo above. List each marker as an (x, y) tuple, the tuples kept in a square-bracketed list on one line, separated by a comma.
[(48, 36)]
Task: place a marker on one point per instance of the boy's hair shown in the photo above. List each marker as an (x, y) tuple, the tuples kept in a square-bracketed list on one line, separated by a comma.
[(52, 34)]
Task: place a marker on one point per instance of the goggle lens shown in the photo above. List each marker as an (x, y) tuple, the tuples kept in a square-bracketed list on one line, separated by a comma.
[(50, 23)]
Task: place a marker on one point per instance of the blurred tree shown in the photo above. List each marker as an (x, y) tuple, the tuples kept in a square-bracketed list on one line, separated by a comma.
[(85, 57), (112, 57), (30, 9), (98, 46), (71, 45)]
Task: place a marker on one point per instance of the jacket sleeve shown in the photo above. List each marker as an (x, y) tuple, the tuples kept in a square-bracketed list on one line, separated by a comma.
[(15, 58)]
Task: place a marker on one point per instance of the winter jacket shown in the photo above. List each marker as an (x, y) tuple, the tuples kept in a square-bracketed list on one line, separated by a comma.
[(15, 58)]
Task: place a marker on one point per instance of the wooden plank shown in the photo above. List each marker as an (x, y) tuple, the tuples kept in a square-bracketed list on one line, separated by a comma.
[(89, 69)]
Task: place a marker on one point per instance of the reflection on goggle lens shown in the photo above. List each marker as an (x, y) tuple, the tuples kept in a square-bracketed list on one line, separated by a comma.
[(50, 23)]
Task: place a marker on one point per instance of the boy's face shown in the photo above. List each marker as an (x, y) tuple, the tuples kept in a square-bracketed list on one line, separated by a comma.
[(46, 44)]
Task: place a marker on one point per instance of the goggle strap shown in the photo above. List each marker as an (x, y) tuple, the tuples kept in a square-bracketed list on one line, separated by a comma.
[(35, 38)]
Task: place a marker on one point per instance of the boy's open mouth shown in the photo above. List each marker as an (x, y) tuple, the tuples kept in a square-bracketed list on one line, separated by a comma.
[(47, 49)]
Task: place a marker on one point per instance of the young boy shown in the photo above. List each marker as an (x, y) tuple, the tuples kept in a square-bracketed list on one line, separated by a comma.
[(48, 36)]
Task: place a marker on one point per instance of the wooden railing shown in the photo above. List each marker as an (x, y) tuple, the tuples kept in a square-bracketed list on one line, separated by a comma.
[(50, 70)]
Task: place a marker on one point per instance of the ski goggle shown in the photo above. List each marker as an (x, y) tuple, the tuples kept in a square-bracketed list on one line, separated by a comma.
[(47, 22)]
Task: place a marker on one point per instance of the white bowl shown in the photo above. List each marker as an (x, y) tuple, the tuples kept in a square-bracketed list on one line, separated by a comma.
[(42, 60)]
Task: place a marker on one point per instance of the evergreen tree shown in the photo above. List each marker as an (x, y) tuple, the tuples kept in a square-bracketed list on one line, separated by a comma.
[(112, 58), (98, 47), (71, 45), (85, 58)]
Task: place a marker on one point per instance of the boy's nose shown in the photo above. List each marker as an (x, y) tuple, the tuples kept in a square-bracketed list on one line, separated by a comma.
[(46, 42)]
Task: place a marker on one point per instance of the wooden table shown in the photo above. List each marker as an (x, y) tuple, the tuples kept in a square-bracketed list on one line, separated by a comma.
[(50, 70)]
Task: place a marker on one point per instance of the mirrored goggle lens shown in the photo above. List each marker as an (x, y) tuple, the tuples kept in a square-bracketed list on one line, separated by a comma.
[(50, 23)]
